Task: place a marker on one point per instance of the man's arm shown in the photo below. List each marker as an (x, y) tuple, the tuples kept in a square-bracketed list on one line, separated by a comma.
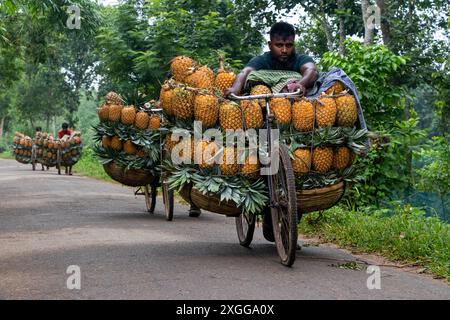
[(309, 75), (239, 82)]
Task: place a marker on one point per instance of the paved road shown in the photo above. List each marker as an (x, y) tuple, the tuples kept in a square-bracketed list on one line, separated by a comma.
[(50, 222)]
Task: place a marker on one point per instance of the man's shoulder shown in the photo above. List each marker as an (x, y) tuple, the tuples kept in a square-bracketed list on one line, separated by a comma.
[(260, 61), (303, 58)]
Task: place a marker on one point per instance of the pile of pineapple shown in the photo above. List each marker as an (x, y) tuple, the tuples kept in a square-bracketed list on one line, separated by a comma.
[(196, 93), (323, 133), (71, 149), (127, 135), (46, 149), (22, 148)]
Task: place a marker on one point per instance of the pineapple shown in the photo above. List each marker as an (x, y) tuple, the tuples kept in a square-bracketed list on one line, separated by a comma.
[(154, 122), (206, 109), (336, 88), (202, 78), (128, 115), (181, 67), (342, 158), (224, 79), (258, 90), (103, 112), (183, 146), (183, 103), (113, 98), (322, 159), (325, 112), (347, 112), (116, 144), (251, 166), (302, 161), (130, 148), (303, 115), (230, 116), (282, 109), (106, 142), (141, 121), (115, 112), (169, 143), (205, 153), (142, 154), (166, 97), (230, 166), (252, 114)]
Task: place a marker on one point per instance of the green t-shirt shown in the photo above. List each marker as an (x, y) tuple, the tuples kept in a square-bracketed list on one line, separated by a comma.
[(266, 62)]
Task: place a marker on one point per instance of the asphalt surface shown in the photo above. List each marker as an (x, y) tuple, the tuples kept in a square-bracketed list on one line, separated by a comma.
[(50, 222)]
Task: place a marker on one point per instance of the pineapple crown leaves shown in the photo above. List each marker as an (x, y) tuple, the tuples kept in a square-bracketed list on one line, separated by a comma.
[(255, 197), (182, 177)]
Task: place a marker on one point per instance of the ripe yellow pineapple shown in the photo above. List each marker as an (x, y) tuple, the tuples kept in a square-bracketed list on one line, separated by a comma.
[(230, 116), (260, 89), (224, 79), (106, 142), (141, 121), (322, 159), (342, 158), (154, 122), (205, 153), (142, 153), (251, 167), (116, 144), (282, 109), (206, 109), (115, 112), (169, 144), (183, 103), (181, 67), (347, 112), (202, 78), (336, 88), (325, 112), (252, 114), (103, 112), (230, 166), (128, 115), (113, 98), (166, 97), (130, 148), (302, 161), (303, 115)]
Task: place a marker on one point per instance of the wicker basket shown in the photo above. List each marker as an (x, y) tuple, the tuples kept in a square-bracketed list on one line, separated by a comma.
[(319, 199), (131, 178), (209, 203)]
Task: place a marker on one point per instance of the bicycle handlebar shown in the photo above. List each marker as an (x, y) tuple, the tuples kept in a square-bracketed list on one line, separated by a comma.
[(296, 94)]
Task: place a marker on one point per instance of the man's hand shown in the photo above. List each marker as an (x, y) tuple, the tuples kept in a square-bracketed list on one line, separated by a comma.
[(294, 86), (230, 91)]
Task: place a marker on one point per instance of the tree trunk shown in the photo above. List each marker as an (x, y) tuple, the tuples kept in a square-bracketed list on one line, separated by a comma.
[(342, 33), (385, 26), (321, 17), (2, 124), (368, 30)]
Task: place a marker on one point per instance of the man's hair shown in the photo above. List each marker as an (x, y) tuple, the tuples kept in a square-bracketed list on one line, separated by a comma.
[(38, 129), (282, 29), (65, 125)]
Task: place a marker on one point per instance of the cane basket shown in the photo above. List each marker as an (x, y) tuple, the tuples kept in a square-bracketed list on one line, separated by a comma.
[(319, 199), (130, 178), (209, 203)]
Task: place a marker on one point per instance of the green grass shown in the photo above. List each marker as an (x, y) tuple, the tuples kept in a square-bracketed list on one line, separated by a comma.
[(6, 155), (90, 166), (403, 234)]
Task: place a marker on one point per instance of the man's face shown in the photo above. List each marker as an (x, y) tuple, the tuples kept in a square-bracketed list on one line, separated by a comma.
[(282, 48)]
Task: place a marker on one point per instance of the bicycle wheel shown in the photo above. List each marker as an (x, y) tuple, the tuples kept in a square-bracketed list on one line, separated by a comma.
[(284, 210), (150, 193), (168, 201), (245, 227)]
